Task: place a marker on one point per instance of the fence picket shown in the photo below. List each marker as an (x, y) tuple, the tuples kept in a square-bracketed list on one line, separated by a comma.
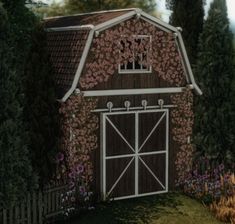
[(53, 201), (28, 209), (11, 216), (44, 204), (36, 208), (40, 208), (4, 216), (16, 218), (22, 213), (49, 202)]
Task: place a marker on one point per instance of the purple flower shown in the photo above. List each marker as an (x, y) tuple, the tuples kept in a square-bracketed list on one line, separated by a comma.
[(82, 190), (71, 184), (72, 175), (60, 157), (79, 169), (221, 167)]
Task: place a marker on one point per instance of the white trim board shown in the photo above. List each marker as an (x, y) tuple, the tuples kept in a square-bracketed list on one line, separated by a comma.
[(124, 109), (120, 92), (69, 28), (115, 21)]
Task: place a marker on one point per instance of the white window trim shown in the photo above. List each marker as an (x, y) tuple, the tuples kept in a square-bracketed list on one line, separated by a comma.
[(137, 71)]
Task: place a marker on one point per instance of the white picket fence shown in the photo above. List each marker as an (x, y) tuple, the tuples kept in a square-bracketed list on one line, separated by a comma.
[(36, 208)]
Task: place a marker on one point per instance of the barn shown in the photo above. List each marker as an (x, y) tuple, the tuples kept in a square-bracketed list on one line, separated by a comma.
[(125, 87)]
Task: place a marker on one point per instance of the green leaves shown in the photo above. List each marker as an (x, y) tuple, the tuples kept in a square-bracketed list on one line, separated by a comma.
[(16, 175), (215, 109), (188, 15)]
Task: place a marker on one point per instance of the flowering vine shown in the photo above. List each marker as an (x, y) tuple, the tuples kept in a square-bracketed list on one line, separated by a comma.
[(182, 120), (79, 141), (118, 46)]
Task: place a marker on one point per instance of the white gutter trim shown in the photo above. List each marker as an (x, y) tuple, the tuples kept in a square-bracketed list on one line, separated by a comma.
[(80, 66), (188, 66), (114, 21), (120, 92), (67, 28)]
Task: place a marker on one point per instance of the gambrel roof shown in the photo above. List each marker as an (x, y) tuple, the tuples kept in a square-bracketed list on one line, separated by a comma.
[(70, 38)]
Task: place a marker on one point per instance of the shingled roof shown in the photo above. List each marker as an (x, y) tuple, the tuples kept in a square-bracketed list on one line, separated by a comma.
[(69, 39), (65, 49)]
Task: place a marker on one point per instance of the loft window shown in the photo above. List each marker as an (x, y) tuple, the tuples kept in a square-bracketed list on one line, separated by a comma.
[(135, 54)]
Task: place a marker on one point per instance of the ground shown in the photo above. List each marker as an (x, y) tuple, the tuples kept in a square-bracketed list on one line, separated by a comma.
[(159, 209)]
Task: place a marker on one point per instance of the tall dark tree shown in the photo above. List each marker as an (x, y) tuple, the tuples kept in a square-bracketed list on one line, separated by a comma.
[(215, 73), (188, 15), (40, 108), (82, 6), (16, 174), (94, 5), (34, 83)]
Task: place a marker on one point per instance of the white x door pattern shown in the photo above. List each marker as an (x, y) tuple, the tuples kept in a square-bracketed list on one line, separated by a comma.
[(137, 153)]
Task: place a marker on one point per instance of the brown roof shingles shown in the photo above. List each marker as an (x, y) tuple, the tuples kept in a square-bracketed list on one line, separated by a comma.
[(65, 49)]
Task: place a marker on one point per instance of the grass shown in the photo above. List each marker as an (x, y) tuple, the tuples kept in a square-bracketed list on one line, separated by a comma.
[(169, 208)]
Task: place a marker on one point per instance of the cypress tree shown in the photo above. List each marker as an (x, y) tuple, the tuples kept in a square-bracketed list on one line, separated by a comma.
[(16, 175), (76, 6), (40, 108), (188, 15), (214, 112)]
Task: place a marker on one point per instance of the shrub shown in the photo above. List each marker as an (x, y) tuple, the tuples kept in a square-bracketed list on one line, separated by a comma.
[(208, 182), (214, 186), (224, 209)]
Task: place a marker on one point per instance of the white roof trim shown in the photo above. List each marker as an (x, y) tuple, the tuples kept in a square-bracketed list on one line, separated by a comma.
[(91, 13), (80, 66), (115, 21), (67, 28), (120, 92), (188, 66), (158, 21)]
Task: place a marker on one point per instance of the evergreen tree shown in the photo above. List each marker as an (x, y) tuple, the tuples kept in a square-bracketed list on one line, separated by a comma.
[(16, 175), (82, 6), (188, 15), (214, 112), (94, 5), (40, 108)]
